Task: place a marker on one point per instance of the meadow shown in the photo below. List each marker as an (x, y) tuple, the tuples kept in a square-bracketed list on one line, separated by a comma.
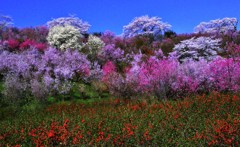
[(204, 120)]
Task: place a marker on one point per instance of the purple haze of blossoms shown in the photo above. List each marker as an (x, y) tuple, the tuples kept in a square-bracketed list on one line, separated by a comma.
[(110, 52), (50, 73)]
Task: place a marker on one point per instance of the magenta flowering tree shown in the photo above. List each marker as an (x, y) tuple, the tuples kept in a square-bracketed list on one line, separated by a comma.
[(167, 78), (154, 76), (14, 45), (108, 69), (145, 25), (224, 75), (233, 50), (192, 77), (117, 83), (217, 26)]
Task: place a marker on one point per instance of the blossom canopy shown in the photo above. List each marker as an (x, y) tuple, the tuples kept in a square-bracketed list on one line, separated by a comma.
[(217, 26), (145, 25), (72, 21)]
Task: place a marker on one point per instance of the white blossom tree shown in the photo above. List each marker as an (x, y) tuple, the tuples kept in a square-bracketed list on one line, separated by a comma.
[(64, 37), (72, 21), (217, 26), (197, 49), (5, 21), (94, 44), (145, 25)]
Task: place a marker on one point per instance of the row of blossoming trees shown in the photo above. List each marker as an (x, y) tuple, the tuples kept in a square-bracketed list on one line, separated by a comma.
[(148, 59)]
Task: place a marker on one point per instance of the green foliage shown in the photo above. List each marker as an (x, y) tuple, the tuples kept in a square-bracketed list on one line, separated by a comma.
[(88, 91)]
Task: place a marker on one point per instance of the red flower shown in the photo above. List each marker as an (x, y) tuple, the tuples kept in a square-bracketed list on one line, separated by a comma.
[(146, 135), (65, 123), (83, 120), (50, 133)]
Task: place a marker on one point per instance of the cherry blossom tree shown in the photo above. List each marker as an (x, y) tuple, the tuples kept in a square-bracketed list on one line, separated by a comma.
[(217, 26), (196, 49), (5, 21), (145, 25), (72, 21)]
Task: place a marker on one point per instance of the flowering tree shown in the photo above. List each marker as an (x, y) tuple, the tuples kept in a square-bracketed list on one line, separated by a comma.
[(110, 52), (94, 45), (117, 84), (217, 26), (72, 21), (5, 21), (196, 49), (64, 37), (31, 72), (145, 25), (233, 50), (108, 37)]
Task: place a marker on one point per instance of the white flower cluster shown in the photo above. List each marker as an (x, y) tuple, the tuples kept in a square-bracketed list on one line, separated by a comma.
[(5, 21), (72, 21), (197, 49), (94, 44), (145, 25), (64, 37), (217, 26)]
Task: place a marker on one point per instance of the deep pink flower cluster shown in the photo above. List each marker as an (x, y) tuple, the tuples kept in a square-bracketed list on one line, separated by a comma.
[(15, 45), (165, 77)]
